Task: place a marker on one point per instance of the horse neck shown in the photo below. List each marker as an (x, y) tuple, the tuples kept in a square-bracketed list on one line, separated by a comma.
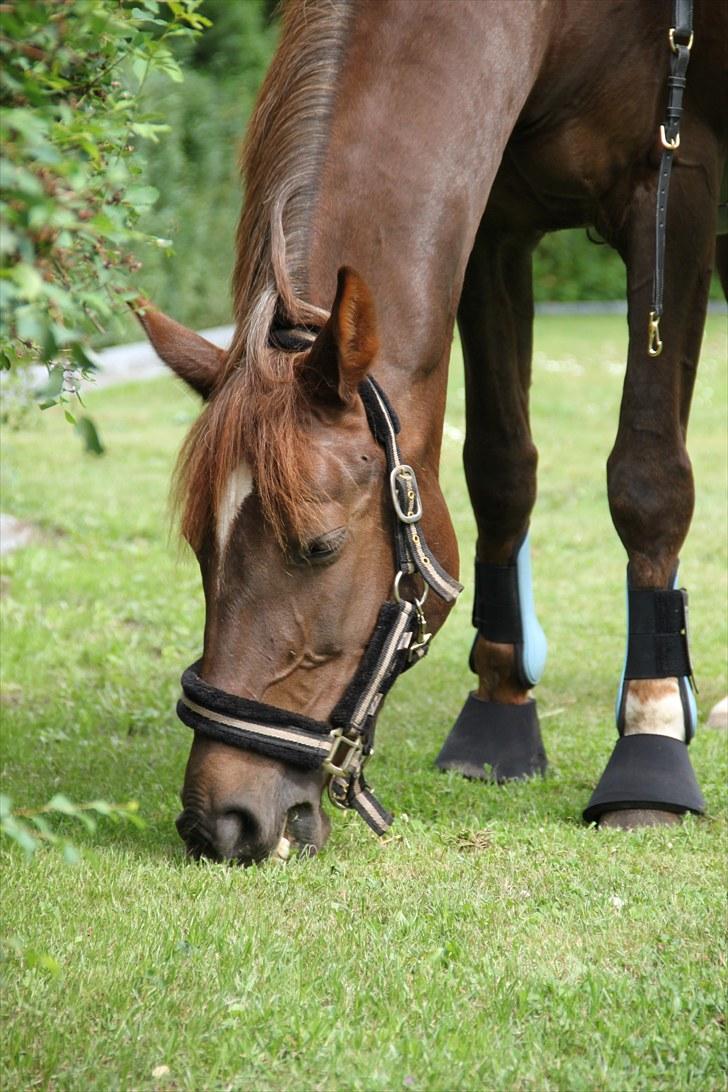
[(425, 102)]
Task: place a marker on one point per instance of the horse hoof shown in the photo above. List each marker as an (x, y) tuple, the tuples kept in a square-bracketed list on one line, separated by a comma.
[(491, 741), (647, 775), (633, 818)]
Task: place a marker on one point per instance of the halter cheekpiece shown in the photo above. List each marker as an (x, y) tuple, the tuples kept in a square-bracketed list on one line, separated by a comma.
[(342, 745)]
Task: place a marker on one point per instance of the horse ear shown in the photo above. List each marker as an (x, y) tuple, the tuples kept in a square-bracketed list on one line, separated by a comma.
[(344, 350), (190, 356)]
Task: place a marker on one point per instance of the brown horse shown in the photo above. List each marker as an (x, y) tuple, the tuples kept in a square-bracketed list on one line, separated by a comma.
[(428, 145)]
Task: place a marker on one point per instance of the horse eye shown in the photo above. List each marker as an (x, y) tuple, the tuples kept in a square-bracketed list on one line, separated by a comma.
[(325, 547)]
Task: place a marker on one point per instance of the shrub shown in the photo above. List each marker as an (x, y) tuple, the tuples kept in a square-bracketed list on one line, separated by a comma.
[(72, 186)]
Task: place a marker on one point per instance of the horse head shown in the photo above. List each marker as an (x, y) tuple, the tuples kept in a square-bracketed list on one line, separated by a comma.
[(286, 502)]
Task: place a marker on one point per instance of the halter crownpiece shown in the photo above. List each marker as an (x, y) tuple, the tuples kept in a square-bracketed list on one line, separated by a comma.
[(342, 745)]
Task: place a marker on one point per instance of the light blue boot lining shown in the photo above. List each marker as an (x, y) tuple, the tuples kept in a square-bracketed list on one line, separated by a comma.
[(535, 645)]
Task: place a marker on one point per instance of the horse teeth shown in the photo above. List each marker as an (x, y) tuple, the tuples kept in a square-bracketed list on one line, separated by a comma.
[(283, 849)]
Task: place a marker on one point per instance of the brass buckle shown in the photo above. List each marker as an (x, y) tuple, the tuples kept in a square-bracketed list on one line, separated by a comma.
[(351, 749), (654, 344), (404, 473), (673, 44), (669, 145)]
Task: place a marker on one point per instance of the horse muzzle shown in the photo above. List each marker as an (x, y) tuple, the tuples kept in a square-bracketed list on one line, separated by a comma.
[(242, 807)]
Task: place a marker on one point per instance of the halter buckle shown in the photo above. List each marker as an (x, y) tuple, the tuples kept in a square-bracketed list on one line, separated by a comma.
[(403, 474), (346, 751)]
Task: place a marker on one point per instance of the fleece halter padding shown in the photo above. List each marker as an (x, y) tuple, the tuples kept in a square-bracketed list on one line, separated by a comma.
[(342, 744)]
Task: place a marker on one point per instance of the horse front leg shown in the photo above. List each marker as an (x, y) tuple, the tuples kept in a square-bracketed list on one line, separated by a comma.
[(497, 734), (649, 778)]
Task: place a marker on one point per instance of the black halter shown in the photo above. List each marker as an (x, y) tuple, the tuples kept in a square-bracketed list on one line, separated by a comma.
[(342, 745), (681, 42)]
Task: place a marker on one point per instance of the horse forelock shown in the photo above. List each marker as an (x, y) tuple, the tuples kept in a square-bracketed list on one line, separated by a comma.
[(264, 423), (258, 413)]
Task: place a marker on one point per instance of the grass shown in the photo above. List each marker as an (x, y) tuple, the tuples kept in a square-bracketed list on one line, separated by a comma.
[(493, 942)]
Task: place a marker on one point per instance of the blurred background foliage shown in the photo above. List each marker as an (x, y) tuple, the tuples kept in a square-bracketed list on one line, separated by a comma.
[(177, 99), (195, 167)]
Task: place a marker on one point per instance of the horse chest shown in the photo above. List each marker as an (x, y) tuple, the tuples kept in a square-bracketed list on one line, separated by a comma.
[(558, 179)]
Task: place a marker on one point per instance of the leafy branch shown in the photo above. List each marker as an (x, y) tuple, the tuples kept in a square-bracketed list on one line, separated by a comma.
[(30, 828), (71, 121)]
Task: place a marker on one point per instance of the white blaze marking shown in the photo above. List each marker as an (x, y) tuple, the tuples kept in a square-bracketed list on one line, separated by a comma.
[(239, 485), (659, 715)]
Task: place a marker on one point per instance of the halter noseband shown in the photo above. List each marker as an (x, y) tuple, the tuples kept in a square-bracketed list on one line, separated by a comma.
[(342, 745)]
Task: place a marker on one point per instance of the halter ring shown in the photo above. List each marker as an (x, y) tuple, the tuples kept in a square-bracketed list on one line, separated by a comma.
[(419, 603)]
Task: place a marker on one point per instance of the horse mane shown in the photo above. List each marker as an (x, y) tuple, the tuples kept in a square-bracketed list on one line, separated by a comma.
[(258, 412)]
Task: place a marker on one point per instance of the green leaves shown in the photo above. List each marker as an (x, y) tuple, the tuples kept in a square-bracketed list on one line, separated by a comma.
[(70, 125), (29, 828), (88, 433)]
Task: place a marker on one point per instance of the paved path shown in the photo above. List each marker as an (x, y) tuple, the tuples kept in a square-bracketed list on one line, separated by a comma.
[(138, 360)]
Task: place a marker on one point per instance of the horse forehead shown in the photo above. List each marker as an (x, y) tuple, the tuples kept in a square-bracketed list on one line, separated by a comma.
[(237, 487)]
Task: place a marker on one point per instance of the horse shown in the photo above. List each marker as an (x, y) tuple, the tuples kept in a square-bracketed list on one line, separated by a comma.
[(401, 164)]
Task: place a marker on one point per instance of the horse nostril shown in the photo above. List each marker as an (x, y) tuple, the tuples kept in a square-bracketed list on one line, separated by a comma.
[(237, 834)]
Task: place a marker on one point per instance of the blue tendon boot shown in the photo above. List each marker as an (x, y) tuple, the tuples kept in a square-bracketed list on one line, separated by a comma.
[(651, 769), (493, 740)]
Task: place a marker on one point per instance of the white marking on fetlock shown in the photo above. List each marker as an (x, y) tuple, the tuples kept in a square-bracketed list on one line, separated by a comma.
[(653, 707), (239, 485)]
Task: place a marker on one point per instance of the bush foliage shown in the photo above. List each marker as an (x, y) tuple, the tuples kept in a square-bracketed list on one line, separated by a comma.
[(73, 191), (195, 166)]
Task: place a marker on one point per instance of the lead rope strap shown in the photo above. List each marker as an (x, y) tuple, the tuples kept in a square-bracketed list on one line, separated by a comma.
[(681, 42)]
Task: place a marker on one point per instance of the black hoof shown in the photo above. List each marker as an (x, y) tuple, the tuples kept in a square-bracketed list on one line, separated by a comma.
[(650, 772), (494, 742)]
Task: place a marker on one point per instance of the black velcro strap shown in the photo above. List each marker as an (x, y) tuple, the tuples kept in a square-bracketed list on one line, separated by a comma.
[(496, 608), (657, 642)]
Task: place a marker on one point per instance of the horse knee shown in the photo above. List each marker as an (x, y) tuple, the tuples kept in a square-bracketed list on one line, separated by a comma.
[(651, 499)]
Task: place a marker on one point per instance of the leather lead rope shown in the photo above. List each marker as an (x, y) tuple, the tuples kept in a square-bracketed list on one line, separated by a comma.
[(680, 37)]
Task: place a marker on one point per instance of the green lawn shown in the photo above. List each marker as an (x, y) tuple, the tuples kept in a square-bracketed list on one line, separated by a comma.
[(493, 941)]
